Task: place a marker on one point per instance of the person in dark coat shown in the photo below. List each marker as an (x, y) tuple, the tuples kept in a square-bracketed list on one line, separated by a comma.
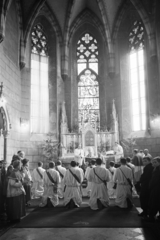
[(144, 183), (138, 169), (27, 179), (154, 190), (15, 194)]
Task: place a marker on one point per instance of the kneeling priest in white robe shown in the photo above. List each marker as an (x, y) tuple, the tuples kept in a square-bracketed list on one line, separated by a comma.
[(72, 181), (99, 176), (51, 181), (37, 178), (124, 179), (88, 169), (62, 172)]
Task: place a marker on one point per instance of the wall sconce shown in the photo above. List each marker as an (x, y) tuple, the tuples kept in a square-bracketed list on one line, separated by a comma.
[(24, 123)]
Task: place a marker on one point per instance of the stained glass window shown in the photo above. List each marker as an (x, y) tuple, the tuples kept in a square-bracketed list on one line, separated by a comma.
[(137, 77), (87, 53), (39, 81), (88, 87), (88, 99)]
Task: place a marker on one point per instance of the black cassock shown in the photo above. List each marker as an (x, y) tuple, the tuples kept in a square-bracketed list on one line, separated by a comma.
[(144, 183), (154, 193)]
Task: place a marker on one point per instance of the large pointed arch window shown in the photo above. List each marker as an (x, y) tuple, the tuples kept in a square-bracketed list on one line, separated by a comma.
[(137, 77), (39, 81), (88, 87)]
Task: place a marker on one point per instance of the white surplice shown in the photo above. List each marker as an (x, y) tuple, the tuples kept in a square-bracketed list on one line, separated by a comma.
[(79, 156), (62, 170), (99, 189), (37, 187), (123, 190), (48, 188), (89, 184), (72, 190), (110, 184)]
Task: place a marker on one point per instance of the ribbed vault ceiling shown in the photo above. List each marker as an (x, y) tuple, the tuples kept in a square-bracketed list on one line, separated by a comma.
[(66, 11)]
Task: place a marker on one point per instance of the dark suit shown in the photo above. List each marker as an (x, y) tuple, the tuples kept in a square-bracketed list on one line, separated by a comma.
[(154, 193), (144, 183), (138, 163)]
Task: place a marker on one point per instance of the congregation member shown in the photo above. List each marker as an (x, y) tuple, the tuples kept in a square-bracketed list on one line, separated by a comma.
[(15, 194), (73, 180), (144, 182), (138, 169), (123, 178), (147, 154), (89, 184), (99, 177), (51, 181), (27, 179), (110, 184), (62, 172), (21, 154), (154, 190), (37, 178), (141, 153), (14, 158)]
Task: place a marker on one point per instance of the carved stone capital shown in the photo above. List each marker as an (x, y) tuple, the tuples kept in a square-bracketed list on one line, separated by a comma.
[(64, 77), (22, 65)]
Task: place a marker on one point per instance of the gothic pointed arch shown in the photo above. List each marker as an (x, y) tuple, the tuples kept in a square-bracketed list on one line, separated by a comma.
[(148, 25), (2, 21), (118, 19), (65, 46), (42, 8), (111, 53), (86, 16)]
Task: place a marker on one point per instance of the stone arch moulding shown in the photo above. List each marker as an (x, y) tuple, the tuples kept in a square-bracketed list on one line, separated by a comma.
[(6, 126), (4, 112), (42, 9)]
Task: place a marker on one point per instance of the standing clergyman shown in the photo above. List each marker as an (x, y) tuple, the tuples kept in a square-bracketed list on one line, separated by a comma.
[(79, 155)]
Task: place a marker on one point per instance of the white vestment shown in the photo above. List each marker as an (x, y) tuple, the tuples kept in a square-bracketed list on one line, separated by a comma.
[(99, 189), (48, 188), (89, 184), (123, 190), (73, 190), (118, 150), (79, 156), (110, 184), (37, 187), (62, 170)]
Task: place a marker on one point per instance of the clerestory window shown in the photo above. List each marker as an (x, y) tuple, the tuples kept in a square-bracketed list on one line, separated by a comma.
[(39, 81), (88, 87), (137, 77)]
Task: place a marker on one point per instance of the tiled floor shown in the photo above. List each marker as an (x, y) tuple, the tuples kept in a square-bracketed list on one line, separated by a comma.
[(79, 234)]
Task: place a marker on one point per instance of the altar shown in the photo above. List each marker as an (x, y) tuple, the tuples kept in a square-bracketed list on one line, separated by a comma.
[(94, 142)]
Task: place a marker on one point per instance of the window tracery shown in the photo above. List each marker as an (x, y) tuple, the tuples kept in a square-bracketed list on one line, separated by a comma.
[(137, 77)]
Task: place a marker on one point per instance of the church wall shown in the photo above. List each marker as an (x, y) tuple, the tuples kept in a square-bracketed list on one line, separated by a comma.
[(151, 137), (10, 76), (31, 143)]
